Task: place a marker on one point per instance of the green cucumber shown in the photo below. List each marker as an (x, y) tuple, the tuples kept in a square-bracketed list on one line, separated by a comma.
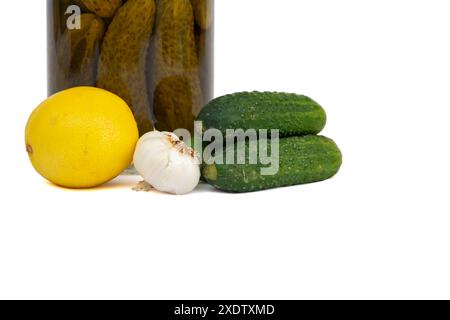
[(292, 114), (302, 160)]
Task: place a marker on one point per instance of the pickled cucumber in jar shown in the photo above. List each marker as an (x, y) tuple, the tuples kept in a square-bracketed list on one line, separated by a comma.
[(157, 55)]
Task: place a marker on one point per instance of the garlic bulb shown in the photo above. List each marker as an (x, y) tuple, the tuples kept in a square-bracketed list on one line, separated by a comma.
[(165, 162)]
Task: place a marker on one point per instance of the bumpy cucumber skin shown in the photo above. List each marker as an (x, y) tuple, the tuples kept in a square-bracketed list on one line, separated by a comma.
[(123, 58), (177, 93), (102, 8), (292, 114), (303, 160)]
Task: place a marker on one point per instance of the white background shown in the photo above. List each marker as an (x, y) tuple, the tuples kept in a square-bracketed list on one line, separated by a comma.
[(380, 229)]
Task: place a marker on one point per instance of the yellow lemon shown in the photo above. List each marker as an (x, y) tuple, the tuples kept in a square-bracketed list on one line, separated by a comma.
[(81, 137)]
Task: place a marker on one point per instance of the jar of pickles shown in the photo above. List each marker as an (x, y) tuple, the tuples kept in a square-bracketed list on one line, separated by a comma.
[(157, 55)]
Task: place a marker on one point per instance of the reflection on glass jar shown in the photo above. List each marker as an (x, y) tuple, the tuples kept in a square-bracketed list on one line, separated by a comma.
[(157, 55)]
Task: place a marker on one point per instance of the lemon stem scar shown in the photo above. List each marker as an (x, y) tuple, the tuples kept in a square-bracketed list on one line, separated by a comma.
[(29, 149)]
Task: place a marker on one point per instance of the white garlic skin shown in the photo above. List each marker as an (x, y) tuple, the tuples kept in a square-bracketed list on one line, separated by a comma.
[(166, 163)]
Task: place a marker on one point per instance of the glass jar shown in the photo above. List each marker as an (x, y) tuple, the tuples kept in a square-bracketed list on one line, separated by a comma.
[(157, 55)]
